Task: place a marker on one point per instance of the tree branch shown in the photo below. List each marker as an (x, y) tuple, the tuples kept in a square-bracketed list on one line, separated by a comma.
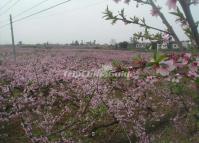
[(186, 8), (166, 23)]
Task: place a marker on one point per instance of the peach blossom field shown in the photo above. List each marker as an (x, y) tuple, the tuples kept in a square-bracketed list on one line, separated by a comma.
[(55, 96)]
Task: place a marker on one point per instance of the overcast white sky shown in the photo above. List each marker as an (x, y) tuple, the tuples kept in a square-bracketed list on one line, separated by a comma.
[(76, 20)]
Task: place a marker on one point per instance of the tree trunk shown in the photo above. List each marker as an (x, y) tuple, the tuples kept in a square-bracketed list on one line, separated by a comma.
[(187, 11), (166, 23)]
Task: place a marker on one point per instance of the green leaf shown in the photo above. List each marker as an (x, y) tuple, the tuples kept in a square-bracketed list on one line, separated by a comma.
[(197, 81)]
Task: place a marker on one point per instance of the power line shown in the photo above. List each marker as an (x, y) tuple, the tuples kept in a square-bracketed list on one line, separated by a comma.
[(23, 18), (4, 25), (2, 7), (13, 5), (29, 9), (87, 6), (41, 11), (5, 4)]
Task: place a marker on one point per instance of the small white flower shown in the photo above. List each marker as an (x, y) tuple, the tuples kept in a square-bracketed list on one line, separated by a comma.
[(105, 70), (93, 134), (107, 67)]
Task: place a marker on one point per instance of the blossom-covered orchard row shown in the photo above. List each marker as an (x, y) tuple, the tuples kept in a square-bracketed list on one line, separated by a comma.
[(156, 101)]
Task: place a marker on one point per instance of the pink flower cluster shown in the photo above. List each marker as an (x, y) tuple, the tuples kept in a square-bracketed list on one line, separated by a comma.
[(172, 4)]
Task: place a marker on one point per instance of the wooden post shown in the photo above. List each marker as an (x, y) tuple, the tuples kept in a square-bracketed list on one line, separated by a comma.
[(13, 40)]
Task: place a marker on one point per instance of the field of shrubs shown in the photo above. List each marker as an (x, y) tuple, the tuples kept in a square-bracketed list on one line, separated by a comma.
[(98, 96)]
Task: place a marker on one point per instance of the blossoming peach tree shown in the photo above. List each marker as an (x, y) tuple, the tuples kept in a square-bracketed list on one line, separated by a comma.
[(182, 11), (174, 71)]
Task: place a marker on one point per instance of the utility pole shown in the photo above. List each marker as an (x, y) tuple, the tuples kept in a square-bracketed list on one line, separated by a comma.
[(13, 40)]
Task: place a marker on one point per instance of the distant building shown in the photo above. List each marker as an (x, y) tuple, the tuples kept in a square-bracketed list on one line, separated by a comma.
[(162, 46), (143, 45), (173, 45), (186, 44)]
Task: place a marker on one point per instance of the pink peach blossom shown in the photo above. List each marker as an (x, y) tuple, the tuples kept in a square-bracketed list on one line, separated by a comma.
[(172, 4), (166, 67)]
